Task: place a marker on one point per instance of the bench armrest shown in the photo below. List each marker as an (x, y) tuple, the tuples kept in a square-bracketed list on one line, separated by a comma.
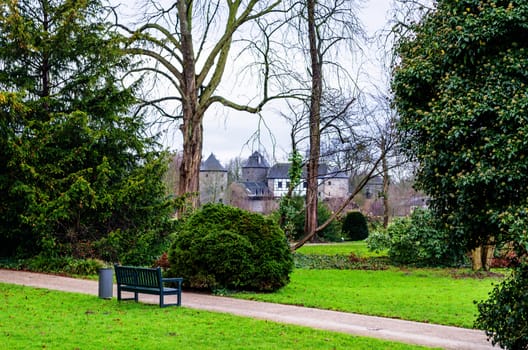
[(179, 280)]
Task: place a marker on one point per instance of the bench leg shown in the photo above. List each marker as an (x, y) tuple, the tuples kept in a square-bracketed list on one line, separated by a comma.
[(162, 300)]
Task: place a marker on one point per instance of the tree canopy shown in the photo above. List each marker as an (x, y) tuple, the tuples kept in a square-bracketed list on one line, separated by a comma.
[(461, 91)]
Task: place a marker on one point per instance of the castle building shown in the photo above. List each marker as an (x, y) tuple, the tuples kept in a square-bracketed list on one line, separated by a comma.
[(263, 184)]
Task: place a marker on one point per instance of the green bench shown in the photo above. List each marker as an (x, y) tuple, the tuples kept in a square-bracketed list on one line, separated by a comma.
[(148, 281)]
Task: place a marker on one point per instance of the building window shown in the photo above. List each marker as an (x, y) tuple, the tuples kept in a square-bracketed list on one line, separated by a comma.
[(305, 184), (279, 184), (329, 183), (287, 184)]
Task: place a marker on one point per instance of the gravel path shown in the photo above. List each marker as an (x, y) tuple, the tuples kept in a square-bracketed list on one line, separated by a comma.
[(377, 327)]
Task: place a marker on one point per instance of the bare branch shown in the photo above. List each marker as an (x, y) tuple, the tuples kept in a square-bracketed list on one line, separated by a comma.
[(166, 63)]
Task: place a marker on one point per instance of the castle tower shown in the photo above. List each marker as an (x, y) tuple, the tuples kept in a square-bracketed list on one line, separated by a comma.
[(255, 169)]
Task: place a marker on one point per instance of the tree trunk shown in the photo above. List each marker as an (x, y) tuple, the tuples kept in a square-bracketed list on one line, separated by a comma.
[(386, 181), (192, 127), (192, 157), (315, 121), (488, 251), (476, 259), (482, 256)]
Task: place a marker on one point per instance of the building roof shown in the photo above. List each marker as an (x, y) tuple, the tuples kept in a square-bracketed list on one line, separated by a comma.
[(279, 171), (212, 164), (256, 160), (337, 174)]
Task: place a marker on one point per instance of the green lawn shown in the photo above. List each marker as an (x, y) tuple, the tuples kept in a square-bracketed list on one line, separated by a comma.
[(70, 321), (33, 318), (424, 295), (443, 296), (345, 248)]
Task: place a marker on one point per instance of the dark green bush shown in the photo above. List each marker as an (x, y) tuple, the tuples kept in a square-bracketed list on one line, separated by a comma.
[(62, 265), (355, 226), (504, 316), (136, 247), (418, 240), (222, 247)]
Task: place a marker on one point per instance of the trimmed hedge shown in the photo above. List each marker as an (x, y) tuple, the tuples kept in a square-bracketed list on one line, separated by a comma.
[(222, 247)]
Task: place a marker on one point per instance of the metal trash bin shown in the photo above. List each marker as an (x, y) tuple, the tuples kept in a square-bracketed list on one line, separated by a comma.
[(106, 285)]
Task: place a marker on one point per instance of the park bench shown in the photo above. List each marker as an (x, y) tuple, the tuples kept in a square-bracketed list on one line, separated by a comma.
[(148, 281)]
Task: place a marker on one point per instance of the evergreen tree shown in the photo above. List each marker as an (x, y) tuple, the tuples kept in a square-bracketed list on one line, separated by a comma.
[(462, 91), (75, 169)]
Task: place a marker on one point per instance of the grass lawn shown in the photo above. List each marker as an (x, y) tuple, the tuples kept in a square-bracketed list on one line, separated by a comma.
[(424, 295), (345, 248), (72, 321), (442, 296), (32, 318)]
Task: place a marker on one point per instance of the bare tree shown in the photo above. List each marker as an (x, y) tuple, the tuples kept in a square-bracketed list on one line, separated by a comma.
[(330, 26), (188, 45), (315, 121), (359, 136)]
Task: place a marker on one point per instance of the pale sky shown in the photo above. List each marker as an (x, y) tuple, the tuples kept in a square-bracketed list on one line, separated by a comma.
[(226, 133)]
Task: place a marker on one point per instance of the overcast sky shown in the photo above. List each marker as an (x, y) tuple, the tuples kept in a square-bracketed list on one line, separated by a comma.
[(226, 133)]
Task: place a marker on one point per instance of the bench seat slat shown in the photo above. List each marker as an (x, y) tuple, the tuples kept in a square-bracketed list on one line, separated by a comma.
[(148, 290)]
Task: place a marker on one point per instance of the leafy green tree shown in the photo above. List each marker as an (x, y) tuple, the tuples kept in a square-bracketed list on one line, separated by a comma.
[(504, 314), (74, 168), (461, 91)]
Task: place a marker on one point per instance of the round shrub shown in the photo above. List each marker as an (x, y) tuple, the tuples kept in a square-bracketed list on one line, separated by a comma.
[(355, 226), (225, 247), (504, 314)]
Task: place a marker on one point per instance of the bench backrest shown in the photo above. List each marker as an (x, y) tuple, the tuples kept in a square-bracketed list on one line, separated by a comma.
[(138, 276)]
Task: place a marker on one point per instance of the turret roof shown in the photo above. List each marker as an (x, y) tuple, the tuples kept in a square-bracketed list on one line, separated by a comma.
[(256, 160), (212, 164)]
